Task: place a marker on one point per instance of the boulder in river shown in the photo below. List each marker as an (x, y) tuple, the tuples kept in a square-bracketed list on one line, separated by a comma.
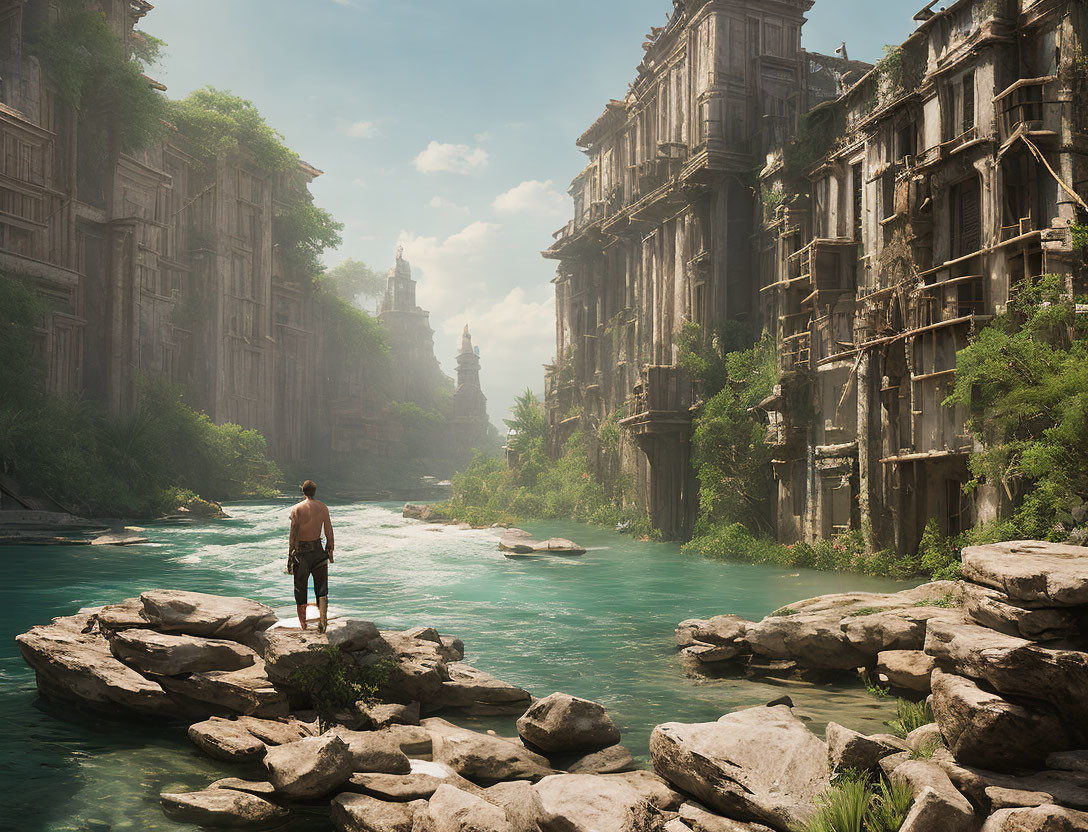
[(360, 813), (1047, 818), (760, 764), (1027, 619), (201, 614), (309, 768), (225, 739), (847, 749), (907, 669), (421, 781), (221, 807), (77, 666), (453, 810), (587, 803), (373, 751), (519, 542), (561, 722), (483, 758)]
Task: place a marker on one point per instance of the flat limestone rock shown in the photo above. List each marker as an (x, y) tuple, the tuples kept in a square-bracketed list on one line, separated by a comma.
[(996, 610), (168, 654), (245, 691), (612, 760), (200, 614), (483, 758), (759, 764), (128, 615), (847, 749), (700, 819), (1047, 818), (983, 729), (360, 813), (309, 768), (468, 686), (907, 669), (453, 810), (587, 803), (1031, 570), (721, 630), (261, 788), (225, 739), (652, 787), (1017, 667), (221, 807), (420, 783), (845, 631), (373, 751), (561, 722), (79, 667)]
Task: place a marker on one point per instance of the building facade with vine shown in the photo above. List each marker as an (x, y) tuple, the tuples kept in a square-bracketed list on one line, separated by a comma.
[(166, 258), (869, 218)]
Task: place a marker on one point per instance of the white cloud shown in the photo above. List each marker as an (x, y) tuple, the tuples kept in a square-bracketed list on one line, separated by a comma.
[(451, 158), (447, 269), (362, 129), (359, 182), (532, 197), (443, 204), (483, 137)]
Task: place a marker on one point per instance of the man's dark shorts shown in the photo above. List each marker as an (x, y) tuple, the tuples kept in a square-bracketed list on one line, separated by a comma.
[(310, 559)]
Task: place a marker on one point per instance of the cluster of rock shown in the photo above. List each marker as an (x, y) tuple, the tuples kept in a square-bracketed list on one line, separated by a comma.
[(182, 655), (1002, 655), (519, 543)]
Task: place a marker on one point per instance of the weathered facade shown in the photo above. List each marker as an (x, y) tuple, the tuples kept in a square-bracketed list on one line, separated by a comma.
[(940, 191), (938, 188), (161, 265)]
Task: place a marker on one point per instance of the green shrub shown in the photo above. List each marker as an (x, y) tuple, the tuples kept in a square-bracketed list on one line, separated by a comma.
[(889, 806), (854, 803), (909, 716), (340, 681)]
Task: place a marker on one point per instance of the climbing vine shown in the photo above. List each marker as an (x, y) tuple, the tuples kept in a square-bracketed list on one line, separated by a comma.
[(87, 65)]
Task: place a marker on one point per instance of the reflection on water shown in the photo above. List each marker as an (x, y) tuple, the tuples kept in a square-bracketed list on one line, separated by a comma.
[(599, 626)]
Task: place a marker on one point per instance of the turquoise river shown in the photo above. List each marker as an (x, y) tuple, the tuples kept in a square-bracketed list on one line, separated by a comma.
[(599, 626)]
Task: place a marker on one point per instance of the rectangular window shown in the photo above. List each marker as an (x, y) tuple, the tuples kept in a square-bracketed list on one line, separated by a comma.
[(858, 186), (966, 218), (968, 98)]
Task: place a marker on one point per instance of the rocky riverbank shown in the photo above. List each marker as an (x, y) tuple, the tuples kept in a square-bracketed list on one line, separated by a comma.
[(1002, 656)]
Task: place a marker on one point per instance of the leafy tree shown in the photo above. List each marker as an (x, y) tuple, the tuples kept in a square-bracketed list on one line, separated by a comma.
[(529, 439), (86, 62), (219, 123), (303, 232), (353, 279), (731, 458), (1023, 381)]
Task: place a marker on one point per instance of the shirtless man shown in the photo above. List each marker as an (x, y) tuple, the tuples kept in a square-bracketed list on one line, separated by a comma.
[(307, 557)]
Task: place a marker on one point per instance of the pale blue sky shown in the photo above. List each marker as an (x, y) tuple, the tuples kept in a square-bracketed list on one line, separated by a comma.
[(362, 88)]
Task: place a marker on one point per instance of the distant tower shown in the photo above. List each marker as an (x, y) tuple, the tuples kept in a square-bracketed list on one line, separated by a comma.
[(400, 289), (418, 376), (469, 403)]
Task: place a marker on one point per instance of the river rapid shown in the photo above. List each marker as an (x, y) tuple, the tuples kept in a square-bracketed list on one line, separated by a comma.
[(599, 626)]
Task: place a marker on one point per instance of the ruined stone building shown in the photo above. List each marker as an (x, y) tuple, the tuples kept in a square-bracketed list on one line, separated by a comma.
[(663, 218), (159, 264), (934, 187), (468, 417)]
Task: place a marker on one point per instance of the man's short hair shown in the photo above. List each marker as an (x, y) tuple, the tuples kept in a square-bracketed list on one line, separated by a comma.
[(309, 488)]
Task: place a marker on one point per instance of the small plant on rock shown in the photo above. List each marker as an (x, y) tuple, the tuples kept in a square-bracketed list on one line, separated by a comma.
[(340, 682), (909, 716), (873, 686)]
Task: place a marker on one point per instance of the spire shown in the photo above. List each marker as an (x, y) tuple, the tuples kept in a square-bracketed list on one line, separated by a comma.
[(466, 341)]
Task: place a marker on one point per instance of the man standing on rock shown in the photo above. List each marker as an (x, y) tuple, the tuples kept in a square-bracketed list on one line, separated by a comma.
[(307, 556)]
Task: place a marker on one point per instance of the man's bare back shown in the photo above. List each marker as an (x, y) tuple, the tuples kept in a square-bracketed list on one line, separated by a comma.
[(308, 519)]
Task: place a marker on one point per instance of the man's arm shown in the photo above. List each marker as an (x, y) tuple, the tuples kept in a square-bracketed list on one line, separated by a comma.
[(327, 522), (292, 538)]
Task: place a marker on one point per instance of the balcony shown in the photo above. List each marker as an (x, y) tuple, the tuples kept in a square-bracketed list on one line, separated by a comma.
[(1032, 107), (660, 402)]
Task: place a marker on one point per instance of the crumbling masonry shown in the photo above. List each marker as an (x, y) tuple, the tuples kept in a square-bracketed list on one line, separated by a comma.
[(941, 177)]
